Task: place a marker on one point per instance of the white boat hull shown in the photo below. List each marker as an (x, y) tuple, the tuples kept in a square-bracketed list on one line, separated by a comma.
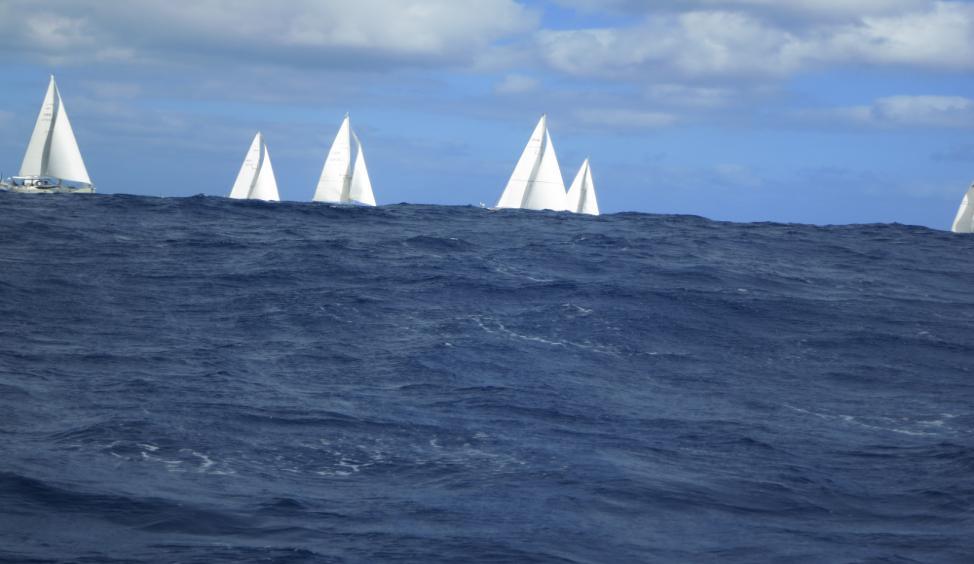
[(42, 186)]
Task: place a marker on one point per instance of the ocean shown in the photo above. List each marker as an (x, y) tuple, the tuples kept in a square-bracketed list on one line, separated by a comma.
[(199, 380)]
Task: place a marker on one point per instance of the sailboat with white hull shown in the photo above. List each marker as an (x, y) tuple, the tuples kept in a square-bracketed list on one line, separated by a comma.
[(536, 183), (345, 176), (52, 163), (581, 196), (256, 180), (964, 221)]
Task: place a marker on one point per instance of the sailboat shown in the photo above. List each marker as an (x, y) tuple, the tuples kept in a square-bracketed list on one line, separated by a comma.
[(256, 181), (581, 196), (536, 183), (964, 222), (53, 163), (345, 176)]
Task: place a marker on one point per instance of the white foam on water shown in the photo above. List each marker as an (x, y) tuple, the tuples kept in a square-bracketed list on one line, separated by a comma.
[(900, 425), (500, 328)]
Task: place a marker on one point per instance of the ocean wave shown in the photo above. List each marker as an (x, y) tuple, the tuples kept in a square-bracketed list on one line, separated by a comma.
[(205, 380)]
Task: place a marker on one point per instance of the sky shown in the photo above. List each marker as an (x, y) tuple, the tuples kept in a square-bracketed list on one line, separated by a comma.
[(811, 111)]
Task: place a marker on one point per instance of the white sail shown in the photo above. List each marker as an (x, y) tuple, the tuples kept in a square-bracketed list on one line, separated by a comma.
[(33, 164), (360, 190), (964, 222), (345, 176), (581, 196), (256, 180), (513, 194), (536, 183), (248, 171), (265, 185), (336, 175), (546, 191), (53, 149)]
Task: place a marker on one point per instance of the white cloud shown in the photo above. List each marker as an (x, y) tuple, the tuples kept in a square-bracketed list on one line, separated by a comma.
[(830, 9), (825, 9), (942, 111), (702, 44), (682, 95), (903, 111), (517, 84), (624, 119), (252, 31), (691, 44), (942, 37)]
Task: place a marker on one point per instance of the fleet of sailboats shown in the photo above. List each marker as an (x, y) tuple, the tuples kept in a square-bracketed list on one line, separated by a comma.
[(256, 180), (52, 163), (537, 184), (345, 176)]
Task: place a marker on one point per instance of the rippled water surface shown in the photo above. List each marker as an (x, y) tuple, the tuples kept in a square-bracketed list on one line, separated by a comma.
[(201, 380)]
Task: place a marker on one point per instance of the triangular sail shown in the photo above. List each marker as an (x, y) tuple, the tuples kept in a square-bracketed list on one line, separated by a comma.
[(345, 176), (964, 221), (336, 175), (248, 170), (265, 185), (33, 164), (513, 195), (546, 191), (360, 189), (536, 183), (581, 195), (53, 149)]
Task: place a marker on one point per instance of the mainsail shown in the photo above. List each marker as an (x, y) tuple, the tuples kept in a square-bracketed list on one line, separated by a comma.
[(964, 222), (581, 196), (53, 150), (256, 181), (536, 183), (345, 176)]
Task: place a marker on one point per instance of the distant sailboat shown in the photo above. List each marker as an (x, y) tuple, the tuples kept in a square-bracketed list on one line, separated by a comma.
[(53, 157), (345, 176), (964, 222), (536, 183), (581, 196), (256, 181)]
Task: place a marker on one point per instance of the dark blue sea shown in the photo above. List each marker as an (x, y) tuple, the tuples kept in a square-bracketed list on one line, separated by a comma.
[(199, 380)]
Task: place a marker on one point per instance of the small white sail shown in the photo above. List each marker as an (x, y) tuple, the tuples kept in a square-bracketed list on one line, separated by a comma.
[(265, 185), (336, 175), (581, 196), (248, 170), (536, 183), (256, 180), (53, 149), (360, 190), (345, 176), (964, 222)]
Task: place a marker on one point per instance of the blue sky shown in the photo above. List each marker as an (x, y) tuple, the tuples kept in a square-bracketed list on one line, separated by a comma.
[(818, 111)]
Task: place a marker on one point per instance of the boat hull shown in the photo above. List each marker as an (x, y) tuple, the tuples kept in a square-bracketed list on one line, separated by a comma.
[(33, 186)]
